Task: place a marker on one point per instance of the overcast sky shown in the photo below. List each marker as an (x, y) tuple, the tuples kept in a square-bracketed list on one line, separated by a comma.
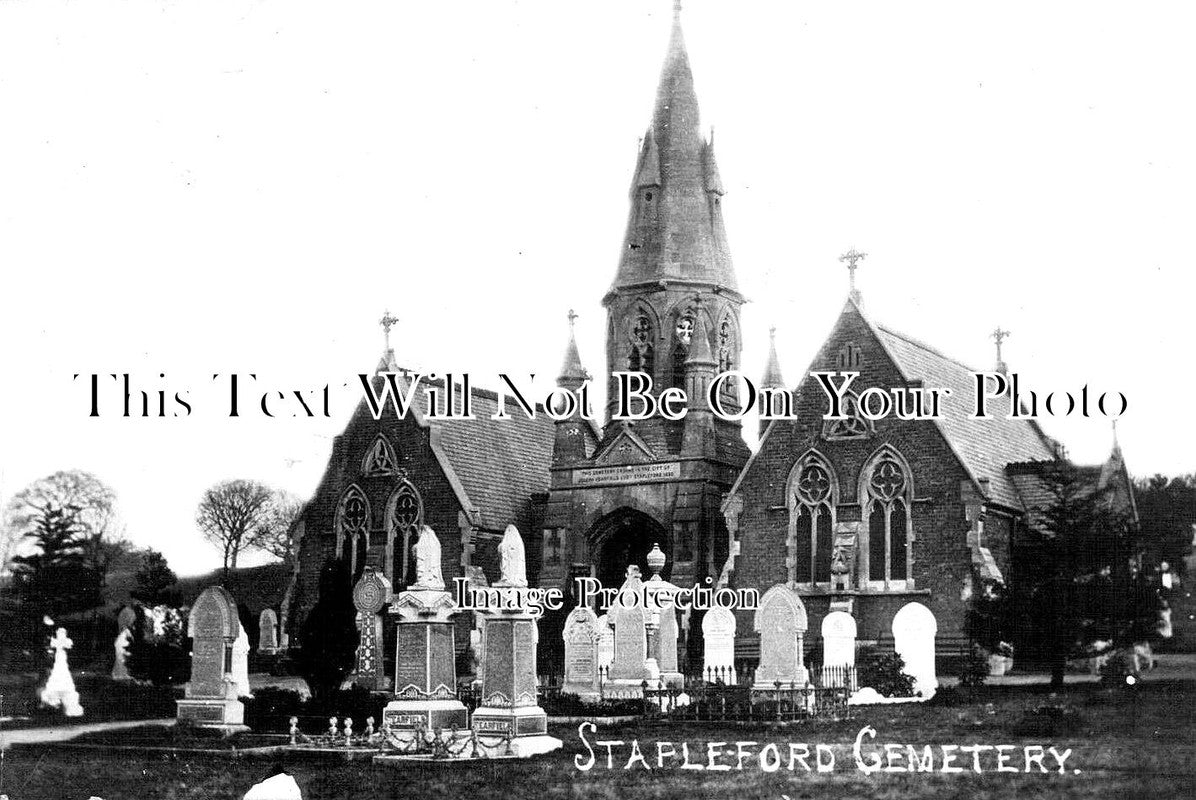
[(214, 187)]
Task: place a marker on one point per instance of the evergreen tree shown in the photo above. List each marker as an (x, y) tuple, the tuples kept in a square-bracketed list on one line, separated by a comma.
[(328, 640), (155, 581)]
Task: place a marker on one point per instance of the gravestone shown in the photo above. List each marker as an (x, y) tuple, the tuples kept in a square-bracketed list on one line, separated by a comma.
[(126, 619), (267, 626), (581, 654), (914, 629), (718, 642), (838, 648), (781, 622), (370, 595), (240, 665), (59, 690), (210, 699), (606, 643), (662, 620), (477, 642), (630, 665), (425, 682), (120, 655), (510, 720)]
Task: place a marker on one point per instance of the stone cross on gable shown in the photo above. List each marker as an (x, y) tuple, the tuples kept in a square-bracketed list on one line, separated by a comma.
[(852, 259), (387, 322), (572, 318), (999, 336)]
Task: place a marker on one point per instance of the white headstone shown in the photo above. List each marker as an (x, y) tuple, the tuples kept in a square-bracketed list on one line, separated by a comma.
[(240, 670), (630, 661), (120, 655), (718, 637), (838, 647), (267, 640), (581, 652), (914, 629), (59, 691), (606, 642), (277, 787), (781, 622)]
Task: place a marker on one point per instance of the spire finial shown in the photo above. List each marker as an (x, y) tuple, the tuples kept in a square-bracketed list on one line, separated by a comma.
[(772, 332), (572, 319), (387, 322), (852, 259), (676, 9)]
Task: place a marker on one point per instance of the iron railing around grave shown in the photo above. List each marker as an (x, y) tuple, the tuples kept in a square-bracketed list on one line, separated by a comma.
[(718, 702)]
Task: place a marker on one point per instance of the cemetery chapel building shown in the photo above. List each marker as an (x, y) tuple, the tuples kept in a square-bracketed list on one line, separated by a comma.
[(859, 516)]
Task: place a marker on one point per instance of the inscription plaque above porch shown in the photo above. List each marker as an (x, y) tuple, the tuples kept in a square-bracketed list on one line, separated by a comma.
[(630, 473)]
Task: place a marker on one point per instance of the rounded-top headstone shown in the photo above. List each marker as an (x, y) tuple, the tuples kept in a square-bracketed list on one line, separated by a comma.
[(840, 624), (914, 619)]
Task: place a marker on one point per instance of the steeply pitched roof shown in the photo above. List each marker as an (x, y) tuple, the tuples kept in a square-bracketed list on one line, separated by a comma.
[(498, 465), (676, 230), (985, 446)]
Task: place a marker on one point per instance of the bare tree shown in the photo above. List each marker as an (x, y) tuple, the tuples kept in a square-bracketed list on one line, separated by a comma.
[(233, 515), (90, 505), (274, 536)]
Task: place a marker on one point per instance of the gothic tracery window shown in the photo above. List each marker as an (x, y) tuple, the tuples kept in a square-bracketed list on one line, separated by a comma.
[(887, 494), (380, 459), (404, 515), (353, 528), (729, 390), (854, 425), (812, 498)]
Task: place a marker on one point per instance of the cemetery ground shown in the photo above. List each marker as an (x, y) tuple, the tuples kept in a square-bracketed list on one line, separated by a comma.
[(1126, 742)]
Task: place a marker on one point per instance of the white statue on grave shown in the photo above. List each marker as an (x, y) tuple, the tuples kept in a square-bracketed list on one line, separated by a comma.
[(120, 660), (427, 561), (60, 687), (512, 561)]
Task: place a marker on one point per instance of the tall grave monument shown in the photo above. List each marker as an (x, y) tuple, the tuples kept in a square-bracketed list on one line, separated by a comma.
[(510, 719), (370, 596), (425, 685)]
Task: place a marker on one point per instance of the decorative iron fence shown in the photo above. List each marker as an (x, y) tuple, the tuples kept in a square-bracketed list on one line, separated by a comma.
[(717, 702)]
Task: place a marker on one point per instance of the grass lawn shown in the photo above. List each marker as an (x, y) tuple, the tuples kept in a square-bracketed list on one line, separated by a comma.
[(1125, 744), (103, 700)]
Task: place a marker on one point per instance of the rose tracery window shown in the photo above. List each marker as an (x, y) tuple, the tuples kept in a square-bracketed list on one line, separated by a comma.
[(887, 509), (813, 496), (685, 328)]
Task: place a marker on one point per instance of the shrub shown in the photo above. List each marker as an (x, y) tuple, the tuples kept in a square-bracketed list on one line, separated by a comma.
[(162, 660), (883, 672), (973, 668)]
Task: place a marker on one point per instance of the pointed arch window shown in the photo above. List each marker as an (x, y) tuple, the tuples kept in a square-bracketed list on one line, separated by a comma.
[(813, 496), (727, 350), (380, 459), (353, 528), (854, 425), (404, 515), (642, 357), (887, 490)]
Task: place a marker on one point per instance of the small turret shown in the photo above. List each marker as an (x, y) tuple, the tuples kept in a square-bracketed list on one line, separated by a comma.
[(700, 368), (569, 444)]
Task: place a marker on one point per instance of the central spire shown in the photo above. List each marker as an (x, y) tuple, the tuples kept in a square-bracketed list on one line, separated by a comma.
[(675, 230)]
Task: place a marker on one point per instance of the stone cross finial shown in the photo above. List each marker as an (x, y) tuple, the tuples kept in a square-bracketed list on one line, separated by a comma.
[(572, 318), (852, 259), (999, 336), (387, 322)]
